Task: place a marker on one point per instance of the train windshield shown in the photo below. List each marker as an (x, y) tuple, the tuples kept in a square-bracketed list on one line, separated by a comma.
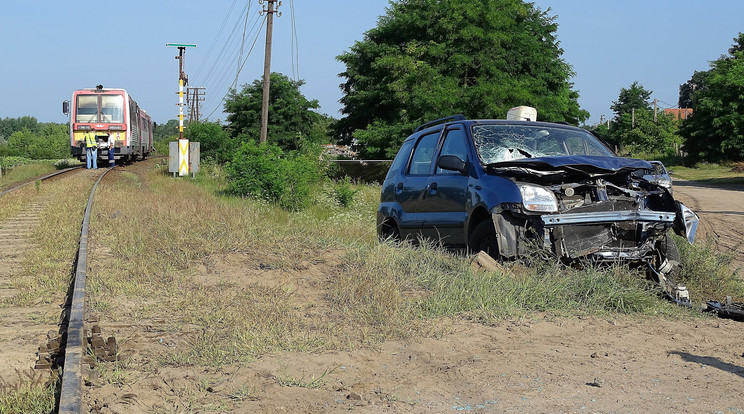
[(100, 108)]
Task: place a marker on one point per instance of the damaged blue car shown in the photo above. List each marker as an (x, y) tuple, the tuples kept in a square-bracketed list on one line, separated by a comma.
[(508, 187)]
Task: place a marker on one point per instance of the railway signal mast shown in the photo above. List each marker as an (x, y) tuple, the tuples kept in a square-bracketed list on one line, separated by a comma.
[(183, 79)]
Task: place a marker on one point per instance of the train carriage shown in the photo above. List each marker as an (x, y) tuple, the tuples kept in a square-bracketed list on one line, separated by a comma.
[(105, 112)]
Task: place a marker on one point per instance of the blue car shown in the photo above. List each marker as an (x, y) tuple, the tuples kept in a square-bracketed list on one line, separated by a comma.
[(507, 187)]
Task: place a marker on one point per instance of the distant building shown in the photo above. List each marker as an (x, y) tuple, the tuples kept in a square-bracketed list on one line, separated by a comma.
[(679, 113)]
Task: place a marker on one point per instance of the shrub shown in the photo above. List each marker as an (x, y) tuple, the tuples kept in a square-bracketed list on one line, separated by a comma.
[(265, 172), (343, 192)]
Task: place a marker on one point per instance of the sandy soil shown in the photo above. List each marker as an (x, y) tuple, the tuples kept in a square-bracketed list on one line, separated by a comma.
[(721, 214)]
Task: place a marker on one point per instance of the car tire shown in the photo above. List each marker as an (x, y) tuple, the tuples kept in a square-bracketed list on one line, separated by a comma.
[(389, 231), (483, 238), (667, 264)]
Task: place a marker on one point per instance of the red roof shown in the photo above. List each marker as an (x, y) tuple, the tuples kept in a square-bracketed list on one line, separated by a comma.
[(679, 113)]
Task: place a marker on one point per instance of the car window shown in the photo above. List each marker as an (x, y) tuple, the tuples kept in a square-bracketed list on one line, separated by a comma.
[(454, 144), (401, 159), (423, 154), (502, 142)]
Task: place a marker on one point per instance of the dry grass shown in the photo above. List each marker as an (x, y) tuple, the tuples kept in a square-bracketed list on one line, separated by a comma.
[(158, 233), (32, 392)]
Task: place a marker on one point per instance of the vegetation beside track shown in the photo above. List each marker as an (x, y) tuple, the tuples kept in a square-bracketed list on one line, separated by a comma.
[(161, 235), (44, 278)]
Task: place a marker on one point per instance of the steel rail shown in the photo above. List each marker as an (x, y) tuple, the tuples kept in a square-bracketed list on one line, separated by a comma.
[(70, 394), (2, 193)]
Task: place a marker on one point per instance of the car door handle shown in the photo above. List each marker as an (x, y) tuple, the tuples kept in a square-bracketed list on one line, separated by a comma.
[(399, 188), (433, 188)]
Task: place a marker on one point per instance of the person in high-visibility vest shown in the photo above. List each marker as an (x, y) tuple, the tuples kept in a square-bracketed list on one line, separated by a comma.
[(91, 150)]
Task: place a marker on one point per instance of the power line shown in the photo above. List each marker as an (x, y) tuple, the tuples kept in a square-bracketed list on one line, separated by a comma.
[(214, 42), (258, 33)]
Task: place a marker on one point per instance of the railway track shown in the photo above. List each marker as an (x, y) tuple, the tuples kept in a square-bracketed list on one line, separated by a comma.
[(67, 349)]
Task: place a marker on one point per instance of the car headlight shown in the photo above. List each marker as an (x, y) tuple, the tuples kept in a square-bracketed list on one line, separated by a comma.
[(535, 198)]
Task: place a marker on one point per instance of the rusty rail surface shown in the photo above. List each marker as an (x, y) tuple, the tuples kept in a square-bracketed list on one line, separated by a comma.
[(70, 395)]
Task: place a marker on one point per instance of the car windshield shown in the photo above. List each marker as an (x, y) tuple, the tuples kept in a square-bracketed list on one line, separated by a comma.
[(503, 142)]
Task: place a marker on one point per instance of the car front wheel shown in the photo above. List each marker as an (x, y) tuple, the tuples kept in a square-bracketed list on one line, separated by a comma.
[(483, 237)]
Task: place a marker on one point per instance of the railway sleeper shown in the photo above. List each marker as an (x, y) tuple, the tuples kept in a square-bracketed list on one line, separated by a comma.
[(51, 353)]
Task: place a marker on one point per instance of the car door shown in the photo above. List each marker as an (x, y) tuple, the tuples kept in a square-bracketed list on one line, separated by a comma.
[(446, 193), (410, 191)]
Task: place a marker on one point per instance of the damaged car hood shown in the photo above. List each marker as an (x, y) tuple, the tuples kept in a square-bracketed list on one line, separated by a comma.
[(592, 165)]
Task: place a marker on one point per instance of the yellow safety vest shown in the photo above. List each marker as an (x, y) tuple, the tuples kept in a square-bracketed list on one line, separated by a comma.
[(90, 140)]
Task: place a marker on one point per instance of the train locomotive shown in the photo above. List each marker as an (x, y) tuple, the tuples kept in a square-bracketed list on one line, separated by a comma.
[(109, 112)]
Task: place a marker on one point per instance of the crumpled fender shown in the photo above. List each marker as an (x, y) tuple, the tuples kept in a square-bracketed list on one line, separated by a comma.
[(686, 222)]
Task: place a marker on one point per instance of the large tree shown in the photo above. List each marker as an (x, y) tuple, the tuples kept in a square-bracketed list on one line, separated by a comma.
[(715, 131), (631, 99), (636, 129), (432, 58), (292, 117)]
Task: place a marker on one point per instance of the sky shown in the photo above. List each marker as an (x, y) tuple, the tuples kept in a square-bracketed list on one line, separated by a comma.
[(50, 48)]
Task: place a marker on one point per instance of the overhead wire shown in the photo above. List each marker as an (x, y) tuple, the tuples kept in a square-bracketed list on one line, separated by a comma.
[(214, 42), (224, 54), (258, 33)]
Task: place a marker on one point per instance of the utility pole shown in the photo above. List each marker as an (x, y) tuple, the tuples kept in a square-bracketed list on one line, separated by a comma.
[(194, 98), (267, 65), (656, 108)]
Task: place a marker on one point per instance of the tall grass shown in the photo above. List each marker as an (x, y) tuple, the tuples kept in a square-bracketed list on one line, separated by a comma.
[(159, 236), (23, 173)]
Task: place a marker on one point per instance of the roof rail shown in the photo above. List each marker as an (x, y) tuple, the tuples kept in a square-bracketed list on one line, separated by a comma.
[(458, 117)]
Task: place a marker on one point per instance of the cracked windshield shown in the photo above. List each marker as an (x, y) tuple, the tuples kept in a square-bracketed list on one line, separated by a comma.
[(499, 143)]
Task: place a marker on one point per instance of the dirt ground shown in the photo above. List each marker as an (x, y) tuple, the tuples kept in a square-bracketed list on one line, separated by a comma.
[(721, 214), (539, 364)]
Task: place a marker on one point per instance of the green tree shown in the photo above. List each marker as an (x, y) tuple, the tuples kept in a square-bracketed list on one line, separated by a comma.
[(213, 140), (10, 125), (715, 131), (292, 117), (47, 141), (167, 131), (432, 58), (636, 129), (631, 99), (696, 82)]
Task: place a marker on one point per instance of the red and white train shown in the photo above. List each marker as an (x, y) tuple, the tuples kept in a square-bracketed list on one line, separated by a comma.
[(109, 112)]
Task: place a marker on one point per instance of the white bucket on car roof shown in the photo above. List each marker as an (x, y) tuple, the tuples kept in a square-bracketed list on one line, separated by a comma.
[(522, 113)]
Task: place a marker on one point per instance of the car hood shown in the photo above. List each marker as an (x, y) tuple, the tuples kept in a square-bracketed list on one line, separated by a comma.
[(585, 163)]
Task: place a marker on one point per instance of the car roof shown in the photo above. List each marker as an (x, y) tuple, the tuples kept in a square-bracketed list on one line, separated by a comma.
[(424, 128)]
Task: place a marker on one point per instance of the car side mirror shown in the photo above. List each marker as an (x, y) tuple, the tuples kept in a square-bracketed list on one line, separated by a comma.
[(452, 163)]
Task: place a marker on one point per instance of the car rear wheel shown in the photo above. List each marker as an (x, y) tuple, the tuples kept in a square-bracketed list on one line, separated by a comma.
[(389, 231), (483, 238)]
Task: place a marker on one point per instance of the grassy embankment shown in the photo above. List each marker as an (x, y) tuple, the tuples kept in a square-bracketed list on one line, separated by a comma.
[(708, 173), (165, 236), (161, 244)]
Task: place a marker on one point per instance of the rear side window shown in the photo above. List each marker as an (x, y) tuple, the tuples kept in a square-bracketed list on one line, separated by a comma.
[(401, 159), (423, 154)]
